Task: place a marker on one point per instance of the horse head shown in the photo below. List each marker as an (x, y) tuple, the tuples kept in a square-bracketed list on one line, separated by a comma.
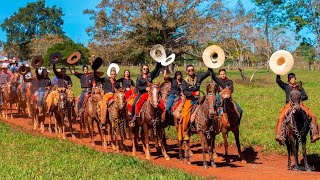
[(295, 97), (120, 99), (226, 99), (62, 99), (211, 98), (154, 95)]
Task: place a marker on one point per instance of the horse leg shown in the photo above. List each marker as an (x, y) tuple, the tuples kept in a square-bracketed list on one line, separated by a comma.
[(50, 130), (225, 143), (289, 150), (162, 146), (236, 135), (11, 111), (180, 150), (41, 118), (35, 121), (187, 150), (203, 144), (212, 151), (304, 152), (103, 139), (70, 125), (294, 151), (146, 139), (90, 129)]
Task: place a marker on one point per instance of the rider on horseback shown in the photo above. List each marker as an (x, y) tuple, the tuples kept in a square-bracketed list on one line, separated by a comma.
[(176, 87), (44, 83), (4, 78), (284, 112), (142, 84), (190, 87), (224, 82), (87, 83), (127, 84)]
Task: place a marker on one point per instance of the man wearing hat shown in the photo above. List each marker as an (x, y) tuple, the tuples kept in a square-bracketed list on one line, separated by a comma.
[(281, 120), (190, 88), (87, 83), (4, 78)]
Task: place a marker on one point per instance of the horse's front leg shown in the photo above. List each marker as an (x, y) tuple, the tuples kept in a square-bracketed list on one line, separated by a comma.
[(50, 130), (211, 150), (304, 152), (11, 111), (294, 145), (204, 148), (289, 150), (162, 145), (146, 141), (225, 143), (187, 151), (70, 125), (236, 135)]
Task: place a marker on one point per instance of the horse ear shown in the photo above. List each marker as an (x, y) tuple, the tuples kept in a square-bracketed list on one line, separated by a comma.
[(300, 84)]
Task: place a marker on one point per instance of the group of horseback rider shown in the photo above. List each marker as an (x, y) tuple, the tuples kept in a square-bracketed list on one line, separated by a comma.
[(188, 87)]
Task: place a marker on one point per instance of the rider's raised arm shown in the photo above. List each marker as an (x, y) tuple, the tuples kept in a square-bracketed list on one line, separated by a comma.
[(203, 76), (280, 82), (55, 71), (155, 73)]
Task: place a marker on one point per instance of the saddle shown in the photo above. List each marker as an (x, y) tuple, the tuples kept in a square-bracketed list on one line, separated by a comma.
[(85, 99)]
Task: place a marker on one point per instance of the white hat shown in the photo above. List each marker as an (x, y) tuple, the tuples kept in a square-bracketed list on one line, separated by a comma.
[(111, 66), (168, 60), (281, 62), (213, 56), (5, 58), (158, 53), (41, 69)]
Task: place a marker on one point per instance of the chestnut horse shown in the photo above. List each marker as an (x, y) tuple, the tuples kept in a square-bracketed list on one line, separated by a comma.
[(8, 98), (297, 128), (206, 121), (116, 120), (150, 120), (230, 121), (90, 115)]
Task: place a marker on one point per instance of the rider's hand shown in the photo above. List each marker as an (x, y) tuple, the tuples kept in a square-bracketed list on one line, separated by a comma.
[(197, 93), (148, 89)]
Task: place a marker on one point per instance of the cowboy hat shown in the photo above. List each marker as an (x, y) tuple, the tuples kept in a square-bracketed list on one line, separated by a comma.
[(168, 60), (97, 62), (74, 58), (55, 57), (36, 62), (3, 66), (158, 53), (281, 62), (24, 69), (99, 74), (111, 66), (5, 59), (213, 56)]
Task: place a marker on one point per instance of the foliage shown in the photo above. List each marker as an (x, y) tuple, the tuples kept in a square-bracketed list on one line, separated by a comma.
[(33, 20), (24, 156), (305, 51), (128, 29), (40, 45), (66, 48)]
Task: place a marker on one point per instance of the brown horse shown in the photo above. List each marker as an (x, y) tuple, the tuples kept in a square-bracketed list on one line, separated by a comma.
[(90, 115), (230, 121), (206, 121), (297, 128), (8, 98), (63, 112), (24, 100), (150, 120), (116, 120)]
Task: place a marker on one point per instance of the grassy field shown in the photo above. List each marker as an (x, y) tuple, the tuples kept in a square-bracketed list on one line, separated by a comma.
[(261, 101), (24, 156)]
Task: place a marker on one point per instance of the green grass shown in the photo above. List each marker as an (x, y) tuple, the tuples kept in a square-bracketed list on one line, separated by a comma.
[(261, 101), (24, 156)]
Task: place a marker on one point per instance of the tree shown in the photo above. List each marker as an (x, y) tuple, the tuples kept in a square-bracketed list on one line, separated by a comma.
[(34, 20), (129, 28), (66, 48), (305, 14), (40, 46), (306, 52)]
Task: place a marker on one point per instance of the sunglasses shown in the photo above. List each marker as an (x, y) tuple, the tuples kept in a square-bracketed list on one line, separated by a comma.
[(146, 69), (190, 70)]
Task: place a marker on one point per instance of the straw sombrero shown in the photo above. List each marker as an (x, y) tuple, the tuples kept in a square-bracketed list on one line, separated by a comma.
[(168, 60), (111, 66), (281, 62), (158, 53), (74, 58), (213, 56)]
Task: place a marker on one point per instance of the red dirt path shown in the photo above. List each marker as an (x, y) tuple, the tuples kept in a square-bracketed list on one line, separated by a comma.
[(259, 166)]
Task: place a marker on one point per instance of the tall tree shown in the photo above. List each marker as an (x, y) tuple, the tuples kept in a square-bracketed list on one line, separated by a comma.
[(40, 46), (305, 14), (33, 20), (306, 52), (129, 28)]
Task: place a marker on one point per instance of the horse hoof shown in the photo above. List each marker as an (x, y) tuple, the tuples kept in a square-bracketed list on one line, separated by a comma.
[(213, 165), (148, 157), (133, 154), (244, 161), (64, 137), (73, 136), (188, 162), (215, 156), (190, 153), (227, 160), (168, 158), (205, 166)]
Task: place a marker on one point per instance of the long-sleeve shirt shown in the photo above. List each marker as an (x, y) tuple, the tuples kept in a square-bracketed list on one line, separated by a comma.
[(86, 80), (176, 87), (126, 83), (108, 86), (63, 80), (141, 83), (42, 81), (223, 83), (4, 78), (286, 88), (189, 89)]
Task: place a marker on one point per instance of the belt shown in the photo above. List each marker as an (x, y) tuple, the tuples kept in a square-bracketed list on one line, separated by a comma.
[(86, 89)]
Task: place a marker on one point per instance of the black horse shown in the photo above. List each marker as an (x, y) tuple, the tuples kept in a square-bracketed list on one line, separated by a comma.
[(297, 127)]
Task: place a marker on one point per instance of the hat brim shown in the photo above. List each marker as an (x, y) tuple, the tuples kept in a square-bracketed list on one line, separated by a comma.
[(281, 62), (213, 56), (158, 53), (113, 65), (74, 58), (169, 60), (96, 63)]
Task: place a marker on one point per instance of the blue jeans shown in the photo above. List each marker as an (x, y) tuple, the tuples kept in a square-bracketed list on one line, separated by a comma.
[(1, 97), (218, 102), (41, 92), (133, 111), (171, 99), (81, 98)]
